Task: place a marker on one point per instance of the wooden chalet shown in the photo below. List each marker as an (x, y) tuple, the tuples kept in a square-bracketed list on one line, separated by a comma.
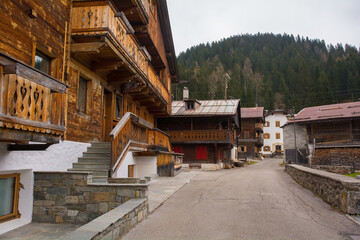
[(326, 135), (250, 139), (75, 73), (203, 130)]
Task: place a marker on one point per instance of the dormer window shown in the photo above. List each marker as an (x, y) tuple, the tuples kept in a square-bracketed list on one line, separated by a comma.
[(190, 105)]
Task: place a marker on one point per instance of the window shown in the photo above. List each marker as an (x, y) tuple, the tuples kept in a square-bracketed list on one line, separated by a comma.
[(118, 110), (83, 93), (42, 62), (201, 153), (242, 149), (246, 134), (277, 123), (131, 171), (266, 149), (9, 196), (277, 135), (266, 135), (177, 149), (266, 124), (190, 105)]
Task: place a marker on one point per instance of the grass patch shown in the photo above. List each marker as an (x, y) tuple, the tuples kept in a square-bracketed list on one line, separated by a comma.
[(251, 162), (282, 164), (352, 174)]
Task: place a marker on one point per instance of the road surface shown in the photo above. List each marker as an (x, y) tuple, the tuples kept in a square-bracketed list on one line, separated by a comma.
[(257, 202)]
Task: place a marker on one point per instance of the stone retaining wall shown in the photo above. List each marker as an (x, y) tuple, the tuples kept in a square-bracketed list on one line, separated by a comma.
[(114, 224), (339, 191), (334, 168), (71, 197)]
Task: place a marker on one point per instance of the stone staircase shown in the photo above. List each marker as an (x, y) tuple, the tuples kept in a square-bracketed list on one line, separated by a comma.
[(95, 160)]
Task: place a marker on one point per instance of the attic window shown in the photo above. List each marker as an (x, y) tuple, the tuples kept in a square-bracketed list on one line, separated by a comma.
[(190, 105)]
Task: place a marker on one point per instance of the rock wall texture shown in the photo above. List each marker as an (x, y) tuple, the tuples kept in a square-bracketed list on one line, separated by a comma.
[(339, 191), (334, 168), (71, 197)]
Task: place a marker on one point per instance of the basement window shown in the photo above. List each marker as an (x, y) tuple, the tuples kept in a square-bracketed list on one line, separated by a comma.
[(9, 197)]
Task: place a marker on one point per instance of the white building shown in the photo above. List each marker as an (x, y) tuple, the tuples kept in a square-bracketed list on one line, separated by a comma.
[(273, 133)]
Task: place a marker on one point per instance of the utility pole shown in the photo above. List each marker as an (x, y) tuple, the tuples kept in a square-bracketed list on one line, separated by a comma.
[(295, 135)]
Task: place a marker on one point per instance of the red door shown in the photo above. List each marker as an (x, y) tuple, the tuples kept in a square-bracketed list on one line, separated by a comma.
[(201, 153)]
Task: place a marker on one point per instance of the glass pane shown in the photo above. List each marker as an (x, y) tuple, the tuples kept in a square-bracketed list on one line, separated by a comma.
[(7, 186), (82, 94), (42, 62)]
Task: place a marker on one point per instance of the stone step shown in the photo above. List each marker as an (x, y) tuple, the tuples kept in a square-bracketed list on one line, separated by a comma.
[(98, 150), (97, 154), (91, 166), (99, 179), (94, 160), (95, 173), (101, 144)]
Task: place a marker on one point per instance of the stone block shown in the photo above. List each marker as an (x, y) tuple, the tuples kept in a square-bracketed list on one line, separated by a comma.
[(118, 199), (82, 218), (92, 207), (43, 218), (43, 183), (59, 191), (103, 207), (44, 203), (38, 210), (59, 219), (102, 197), (126, 192), (113, 205), (69, 182), (47, 176), (86, 196), (72, 213), (51, 197), (57, 210), (81, 182), (72, 199), (140, 216)]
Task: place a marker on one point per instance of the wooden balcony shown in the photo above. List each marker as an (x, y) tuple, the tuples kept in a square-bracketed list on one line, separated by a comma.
[(259, 127), (202, 136), (104, 40), (258, 141), (31, 104)]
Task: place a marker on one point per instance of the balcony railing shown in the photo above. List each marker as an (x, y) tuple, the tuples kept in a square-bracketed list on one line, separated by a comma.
[(28, 104), (102, 19), (204, 136)]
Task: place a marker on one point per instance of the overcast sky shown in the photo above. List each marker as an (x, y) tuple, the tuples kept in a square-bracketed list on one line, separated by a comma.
[(201, 21)]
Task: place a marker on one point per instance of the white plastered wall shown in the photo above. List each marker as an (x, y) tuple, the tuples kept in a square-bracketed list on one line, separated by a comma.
[(144, 166), (272, 130), (58, 157)]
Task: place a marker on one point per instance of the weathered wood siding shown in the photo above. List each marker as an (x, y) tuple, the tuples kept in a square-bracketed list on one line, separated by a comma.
[(21, 34)]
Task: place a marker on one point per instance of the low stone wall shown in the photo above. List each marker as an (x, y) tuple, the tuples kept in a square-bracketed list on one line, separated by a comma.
[(339, 191), (114, 224), (337, 156), (334, 168), (71, 197)]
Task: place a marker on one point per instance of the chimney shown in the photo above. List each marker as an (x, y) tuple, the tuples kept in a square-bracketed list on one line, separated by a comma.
[(185, 93)]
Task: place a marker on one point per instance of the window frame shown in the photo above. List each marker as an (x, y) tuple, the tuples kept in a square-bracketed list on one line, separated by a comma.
[(44, 56), (15, 213), (277, 123), (87, 95), (278, 136), (266, 135), (267, 124), (266, 149), (119, 111)]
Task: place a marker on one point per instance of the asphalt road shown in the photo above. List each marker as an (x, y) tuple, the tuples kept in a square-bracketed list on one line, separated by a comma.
[(257, 202)]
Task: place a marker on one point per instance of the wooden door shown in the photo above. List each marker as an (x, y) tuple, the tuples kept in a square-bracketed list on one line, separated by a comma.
[(108, 115)]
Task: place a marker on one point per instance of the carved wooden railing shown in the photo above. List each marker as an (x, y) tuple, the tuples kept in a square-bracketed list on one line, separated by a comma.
[(131, 130), (202, 136), (27, 102), (95, 20), (158, 138)]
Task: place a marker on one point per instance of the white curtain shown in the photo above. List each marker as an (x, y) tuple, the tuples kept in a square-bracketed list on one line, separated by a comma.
[(6, 196)]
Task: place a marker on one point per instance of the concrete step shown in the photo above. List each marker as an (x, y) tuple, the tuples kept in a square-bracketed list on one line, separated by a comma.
[(98, 150), (91, 166), (94, 160), (95, 173), (101, 144), (97, 154), (99, 180)]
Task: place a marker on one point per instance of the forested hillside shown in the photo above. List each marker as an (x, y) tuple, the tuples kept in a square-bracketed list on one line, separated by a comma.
[(274, 71)]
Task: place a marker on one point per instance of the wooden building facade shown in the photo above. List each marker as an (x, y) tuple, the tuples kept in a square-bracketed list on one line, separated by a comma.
[(250, 139), (203, 130), (74, 72), (332, 135)]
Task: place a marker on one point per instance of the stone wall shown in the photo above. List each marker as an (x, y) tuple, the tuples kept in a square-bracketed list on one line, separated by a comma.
[(334, 168), (339, 191), (337, 156), (71, 197), (114, 224)]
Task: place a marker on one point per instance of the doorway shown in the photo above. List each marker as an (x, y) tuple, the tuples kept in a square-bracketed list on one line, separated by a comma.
[(107, 115)]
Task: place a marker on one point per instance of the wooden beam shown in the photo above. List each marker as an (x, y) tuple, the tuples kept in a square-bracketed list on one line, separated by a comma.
[(107, 65), (130, 11), (21, 121), (36, 76), (143, 29), (14, 135), (91, 47)]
